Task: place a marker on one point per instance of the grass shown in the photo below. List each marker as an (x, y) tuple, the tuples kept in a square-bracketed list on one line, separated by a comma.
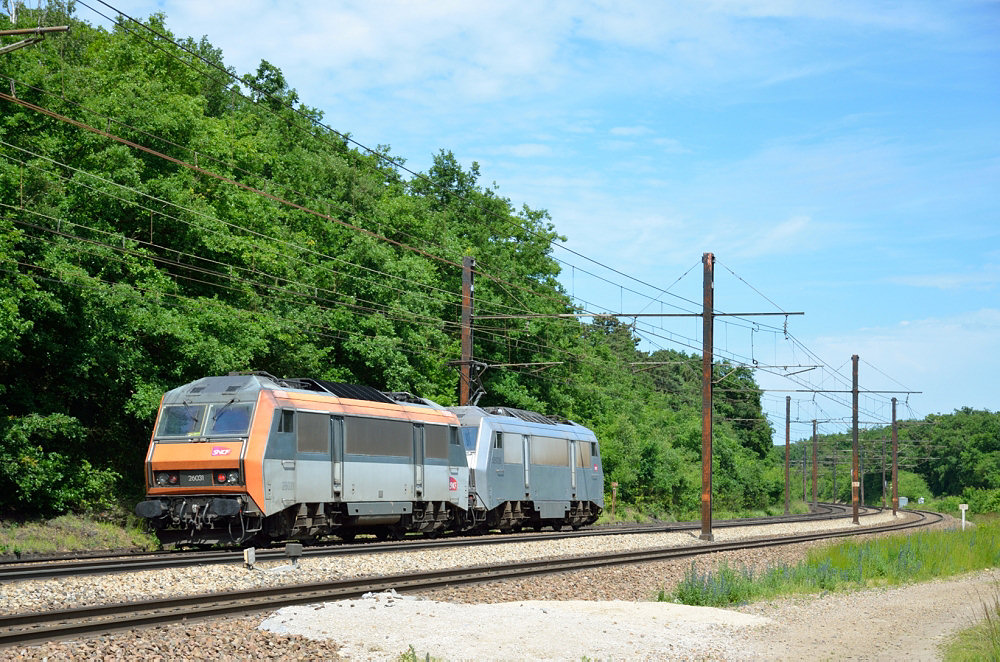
[(410, 655), (853, 564), (638, 515), (981, 641), (71, 533)]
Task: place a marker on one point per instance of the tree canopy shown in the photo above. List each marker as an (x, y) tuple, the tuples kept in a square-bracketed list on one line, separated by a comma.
[(161, 221)]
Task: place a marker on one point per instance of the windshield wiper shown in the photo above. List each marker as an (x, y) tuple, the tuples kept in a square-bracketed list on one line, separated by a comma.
[(221, 409)]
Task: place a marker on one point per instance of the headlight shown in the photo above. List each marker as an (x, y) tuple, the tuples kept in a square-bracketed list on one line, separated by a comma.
[(164, 478), (227, 477)]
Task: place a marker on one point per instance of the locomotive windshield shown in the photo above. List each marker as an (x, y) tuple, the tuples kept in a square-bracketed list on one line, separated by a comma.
[(233, 418), (186, 420), (181, 420)]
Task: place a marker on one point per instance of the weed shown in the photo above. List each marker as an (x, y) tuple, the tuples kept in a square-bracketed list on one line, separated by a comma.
[(410, 655), (889, 560), (71, 533), (981, 641)]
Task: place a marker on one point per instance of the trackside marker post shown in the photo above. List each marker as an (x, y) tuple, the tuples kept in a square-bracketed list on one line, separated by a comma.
[(963, 507)]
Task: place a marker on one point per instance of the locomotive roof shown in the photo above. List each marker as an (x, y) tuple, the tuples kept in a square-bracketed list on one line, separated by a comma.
[(475, 414), (233, 384)]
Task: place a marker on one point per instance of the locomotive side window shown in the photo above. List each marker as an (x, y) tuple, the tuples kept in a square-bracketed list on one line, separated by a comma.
[(286, 420), (181, 420), (314, 433), (583, 454), (498, 440), (378, 436), (550, 451), (593, 450), (453, 436), (512, 452), (436, 441)]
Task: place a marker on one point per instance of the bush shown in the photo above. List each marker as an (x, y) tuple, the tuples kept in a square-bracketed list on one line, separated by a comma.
[(37, 479), (913, 487), (982, 500)]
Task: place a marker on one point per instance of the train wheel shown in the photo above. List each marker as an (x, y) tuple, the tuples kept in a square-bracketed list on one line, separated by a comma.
[(347, 536), (557, 526)]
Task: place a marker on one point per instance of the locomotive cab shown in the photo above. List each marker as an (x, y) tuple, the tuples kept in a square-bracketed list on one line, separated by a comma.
[(195, 467), (254, 458)]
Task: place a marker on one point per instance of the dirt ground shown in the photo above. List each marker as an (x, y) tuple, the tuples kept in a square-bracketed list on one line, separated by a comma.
[(906, 623)]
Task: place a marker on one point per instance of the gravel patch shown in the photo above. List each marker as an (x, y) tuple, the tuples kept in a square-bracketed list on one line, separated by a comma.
[(381, 626)]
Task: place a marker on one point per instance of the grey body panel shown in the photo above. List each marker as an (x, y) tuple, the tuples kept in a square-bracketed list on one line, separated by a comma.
[(551, 477)]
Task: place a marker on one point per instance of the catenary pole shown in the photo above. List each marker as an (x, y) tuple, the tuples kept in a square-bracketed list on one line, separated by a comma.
[(895, 445), (855, 474), (815, 467), (465, 379), (708, 308), (788, 434)]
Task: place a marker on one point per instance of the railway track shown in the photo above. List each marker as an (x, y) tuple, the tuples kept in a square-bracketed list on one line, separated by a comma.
[(131, 562), (19, 629)]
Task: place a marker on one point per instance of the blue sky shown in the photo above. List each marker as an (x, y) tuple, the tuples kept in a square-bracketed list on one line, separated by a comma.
[(843, 158)]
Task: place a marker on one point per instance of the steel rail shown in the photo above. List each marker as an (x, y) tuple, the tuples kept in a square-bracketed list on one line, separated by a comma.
[(26, 628), (131, 562)]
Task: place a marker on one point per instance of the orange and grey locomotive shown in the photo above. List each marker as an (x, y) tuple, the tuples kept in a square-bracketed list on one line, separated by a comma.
[(253, 458)]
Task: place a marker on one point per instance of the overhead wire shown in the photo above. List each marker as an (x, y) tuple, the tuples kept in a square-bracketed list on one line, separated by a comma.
[(374, 152), (394, 163)]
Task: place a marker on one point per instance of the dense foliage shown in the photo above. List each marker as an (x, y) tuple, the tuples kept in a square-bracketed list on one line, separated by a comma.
[(955, 454), (226, 230)]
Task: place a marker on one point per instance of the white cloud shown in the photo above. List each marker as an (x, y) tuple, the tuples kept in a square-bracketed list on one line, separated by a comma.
[(783, 238), (671, 146), (986, 277), (630, 131), (480, 52), (524, 151)]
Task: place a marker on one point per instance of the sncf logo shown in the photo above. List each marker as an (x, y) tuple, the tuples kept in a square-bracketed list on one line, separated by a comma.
[(219, 450), (452, 484)]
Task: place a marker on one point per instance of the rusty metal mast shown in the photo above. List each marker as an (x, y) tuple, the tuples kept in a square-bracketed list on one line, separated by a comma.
[(788, 436), (895, 448), (815, 467), (855, 475), (707, 360)]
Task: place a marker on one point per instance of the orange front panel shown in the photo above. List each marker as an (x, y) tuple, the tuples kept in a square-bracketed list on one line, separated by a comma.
[(260, 430), (208, 455)]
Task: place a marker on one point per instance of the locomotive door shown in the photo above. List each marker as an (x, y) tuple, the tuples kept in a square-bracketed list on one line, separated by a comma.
[(572, 465), (337, 434), (418, 459), (527, 462)]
